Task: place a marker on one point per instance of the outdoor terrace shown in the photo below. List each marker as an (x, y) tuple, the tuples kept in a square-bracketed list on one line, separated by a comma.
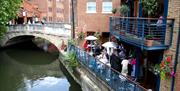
[(110, 76), (138, 31)]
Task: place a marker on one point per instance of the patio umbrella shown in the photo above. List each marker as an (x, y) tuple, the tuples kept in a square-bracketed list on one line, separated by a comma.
[(91, 38), (109, 45)]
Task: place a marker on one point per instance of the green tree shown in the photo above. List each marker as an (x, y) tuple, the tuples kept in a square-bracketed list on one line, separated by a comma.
[(8, 11), (150, 7)]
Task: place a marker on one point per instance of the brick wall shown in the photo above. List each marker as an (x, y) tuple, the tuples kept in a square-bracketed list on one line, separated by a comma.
[(66, 15), (93, 21), (174, 12), (177, 86)]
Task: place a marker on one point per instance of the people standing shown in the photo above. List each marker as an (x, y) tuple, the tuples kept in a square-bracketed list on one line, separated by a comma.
[(125, 63), (115, 61)]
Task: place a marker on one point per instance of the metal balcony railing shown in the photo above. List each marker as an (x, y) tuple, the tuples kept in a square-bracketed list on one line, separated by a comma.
[(113, 78), (137, 31)]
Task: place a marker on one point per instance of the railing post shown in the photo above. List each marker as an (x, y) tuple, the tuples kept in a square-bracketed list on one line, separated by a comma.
[(143, 36), (138, 27), (127, 24), (138, 56)]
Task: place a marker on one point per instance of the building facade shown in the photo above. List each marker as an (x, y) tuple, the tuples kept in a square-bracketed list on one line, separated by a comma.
[(93, 15), (53, 10), (174, 11)]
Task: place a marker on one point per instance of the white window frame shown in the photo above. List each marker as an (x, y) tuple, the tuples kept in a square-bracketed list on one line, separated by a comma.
[(107, 4), (90, 4)]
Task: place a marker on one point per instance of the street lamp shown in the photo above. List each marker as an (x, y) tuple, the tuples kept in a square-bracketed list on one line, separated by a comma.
[(73, 26)]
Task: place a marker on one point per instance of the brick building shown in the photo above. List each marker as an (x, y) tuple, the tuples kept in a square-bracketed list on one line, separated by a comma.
[(93, 15), (53, 10), (174, 12), (27, 13)]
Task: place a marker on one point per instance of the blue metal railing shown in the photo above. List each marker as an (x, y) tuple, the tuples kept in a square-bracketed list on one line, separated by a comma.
[(114, 79), (136, 30)]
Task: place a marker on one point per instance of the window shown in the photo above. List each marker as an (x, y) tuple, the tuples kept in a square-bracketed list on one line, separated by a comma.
[(107, 6), (91, 6), (50, 9), (59, 10), (50, 19)]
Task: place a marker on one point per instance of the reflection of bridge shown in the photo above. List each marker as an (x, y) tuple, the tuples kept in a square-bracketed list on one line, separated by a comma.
[(54, 33)]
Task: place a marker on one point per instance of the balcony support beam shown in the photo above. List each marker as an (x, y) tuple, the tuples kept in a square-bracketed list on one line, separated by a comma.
[(165, 9), (140, 8)]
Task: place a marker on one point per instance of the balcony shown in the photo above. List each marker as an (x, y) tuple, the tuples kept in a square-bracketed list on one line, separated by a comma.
[(144, 33)]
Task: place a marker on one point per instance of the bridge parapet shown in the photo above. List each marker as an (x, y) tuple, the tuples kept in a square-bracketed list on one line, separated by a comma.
[(53, 29)]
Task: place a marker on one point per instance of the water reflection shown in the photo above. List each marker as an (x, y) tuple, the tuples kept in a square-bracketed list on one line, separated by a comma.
[(31, 70), (47, 84)]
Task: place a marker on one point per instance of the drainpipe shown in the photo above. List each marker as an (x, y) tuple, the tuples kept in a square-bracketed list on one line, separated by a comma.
[(176, 60), (73, 26)]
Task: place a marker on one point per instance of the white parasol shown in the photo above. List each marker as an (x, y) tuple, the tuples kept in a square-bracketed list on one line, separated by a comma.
[(110, 45), (91, 38)]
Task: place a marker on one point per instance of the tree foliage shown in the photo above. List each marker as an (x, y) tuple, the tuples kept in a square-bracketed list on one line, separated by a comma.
[(8, 11), (150, 7), (124, 9)]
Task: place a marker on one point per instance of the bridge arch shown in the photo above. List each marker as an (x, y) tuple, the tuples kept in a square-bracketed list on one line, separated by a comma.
[(53, 39)]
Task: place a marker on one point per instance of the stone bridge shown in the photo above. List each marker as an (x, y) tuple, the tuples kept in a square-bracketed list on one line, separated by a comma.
[(54, 33)]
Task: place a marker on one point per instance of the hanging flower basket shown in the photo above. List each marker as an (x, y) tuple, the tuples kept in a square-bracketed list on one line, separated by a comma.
[(165, 68)]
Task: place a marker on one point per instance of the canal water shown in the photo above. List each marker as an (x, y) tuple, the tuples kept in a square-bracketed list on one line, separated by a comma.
[(28, 68)]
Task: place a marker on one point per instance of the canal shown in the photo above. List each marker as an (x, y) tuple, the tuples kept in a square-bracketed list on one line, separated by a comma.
[(25, 67)]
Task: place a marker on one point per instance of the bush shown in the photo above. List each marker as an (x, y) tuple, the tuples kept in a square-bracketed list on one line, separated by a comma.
[(2, 30), (72, 60), (150, 7), (124, 9)]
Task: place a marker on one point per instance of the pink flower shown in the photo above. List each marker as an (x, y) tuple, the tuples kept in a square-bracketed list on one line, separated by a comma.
[(133, 61), (172, 74)]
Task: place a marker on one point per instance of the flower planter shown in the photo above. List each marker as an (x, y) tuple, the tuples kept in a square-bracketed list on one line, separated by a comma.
[(149, 42)]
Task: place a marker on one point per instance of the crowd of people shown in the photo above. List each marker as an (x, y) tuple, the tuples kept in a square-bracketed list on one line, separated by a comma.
[(116, 58)]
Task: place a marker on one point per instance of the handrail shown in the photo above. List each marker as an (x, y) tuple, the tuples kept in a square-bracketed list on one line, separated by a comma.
[(136, 87), (137, 30), (141, 18)]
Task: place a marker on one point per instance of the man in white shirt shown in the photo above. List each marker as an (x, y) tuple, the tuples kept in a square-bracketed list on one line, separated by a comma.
[(125, 63)]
